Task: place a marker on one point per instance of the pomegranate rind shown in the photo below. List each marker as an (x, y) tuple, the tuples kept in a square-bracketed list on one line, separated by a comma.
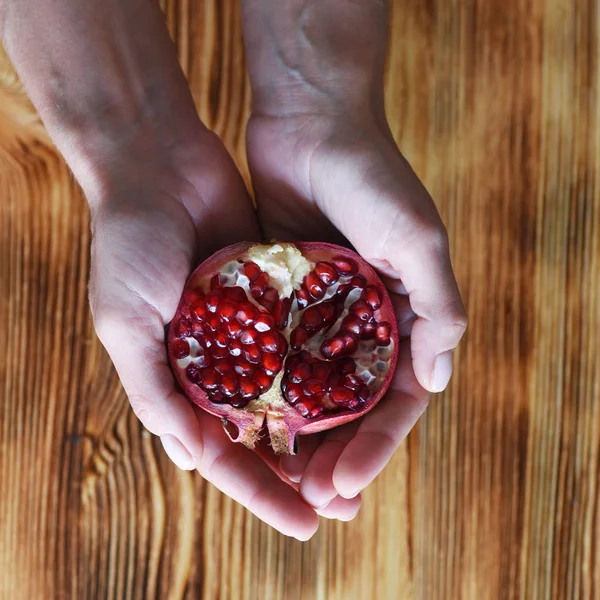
[(284, 426)]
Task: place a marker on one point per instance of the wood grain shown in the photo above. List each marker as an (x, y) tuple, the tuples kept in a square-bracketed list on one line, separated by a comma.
[(496, 493)]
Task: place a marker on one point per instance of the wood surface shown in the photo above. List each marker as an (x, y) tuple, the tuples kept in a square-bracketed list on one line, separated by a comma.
[(495, 495)]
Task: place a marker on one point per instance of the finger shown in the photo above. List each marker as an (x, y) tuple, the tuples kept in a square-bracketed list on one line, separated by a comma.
[(342, 509), (316, 486), (293, 466), (405, 315), (381, 431), (245, 477)]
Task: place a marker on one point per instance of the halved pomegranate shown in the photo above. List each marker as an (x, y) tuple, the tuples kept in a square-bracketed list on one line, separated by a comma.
[(300, 335)]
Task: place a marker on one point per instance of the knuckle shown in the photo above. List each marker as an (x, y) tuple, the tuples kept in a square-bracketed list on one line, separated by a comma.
[(435, 237), (143, 411)]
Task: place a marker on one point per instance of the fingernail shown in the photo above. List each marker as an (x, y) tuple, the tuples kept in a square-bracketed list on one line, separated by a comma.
[(442, 371), (177, 452)]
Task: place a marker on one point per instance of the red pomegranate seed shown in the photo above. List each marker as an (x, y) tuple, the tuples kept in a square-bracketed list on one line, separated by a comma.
[(302, 298), (326, 272), (181, 349), (227, 310), (342, 292), (203, 360), (247, 314), (199, 309), (341, 395), (321, 370), (212, 300), (293, 392), (311, 318), (358, 281), (223, 366), (332, 348), (259, 285), (333, 380), (215, 282), (372, 297), (345, 266), (243, 367), (237, 401), (269, 298), (230, 384), (263, 380), (221, 339), (346, 365), (233, 329), (382, 333), (248, 388), (282, 345), (252, 353), (271, 363), (236, 294), (264, 322), (327, 312), (298, 338), (362, 310), (218, 352), (186, 312), (352, 324), (313, 386), (309, 408), (213, 322), (192, 296), (352, 381), (249, 336), (251, 270), (216, 397), (350, 343), (184, 327), (363, 393), (235, 348), (197, 327), (315, 286), (286, 305), (368, 331), (300, 372), (193, 373), (269, 340), (210, 378)]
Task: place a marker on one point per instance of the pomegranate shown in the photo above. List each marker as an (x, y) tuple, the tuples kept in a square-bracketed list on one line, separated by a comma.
[(302, 336)]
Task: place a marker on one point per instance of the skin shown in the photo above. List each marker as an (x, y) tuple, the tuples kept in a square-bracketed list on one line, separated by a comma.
[(164, 194)]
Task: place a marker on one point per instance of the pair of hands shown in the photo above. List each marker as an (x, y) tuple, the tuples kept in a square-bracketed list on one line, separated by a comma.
[(317, 177)]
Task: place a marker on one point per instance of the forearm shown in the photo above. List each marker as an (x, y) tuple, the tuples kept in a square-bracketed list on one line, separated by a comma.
[(103, 75), (307, 52)]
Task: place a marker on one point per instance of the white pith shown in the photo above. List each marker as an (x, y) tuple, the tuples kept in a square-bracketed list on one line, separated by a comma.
[(286, 268)]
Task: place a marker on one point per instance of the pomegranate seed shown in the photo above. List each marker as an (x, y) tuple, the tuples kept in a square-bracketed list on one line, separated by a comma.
[(382, 333), (269, 298), (300, 372), (350, 343), (311, 319), (352, 381), (227, 310), (342, 291), (215, 282), (341, 395), (193, 373), (235, 348), (186, 312), (243, 367), (221, 339), (197, 327), (293, 392), (345, 266), (203, 360), (251, 270), (269, 340), (352, 324), (248, 388), (233, 329), (313, 386), (363, 393), (248, 336), (326, 273), (223, 366), (264, 322), (302, 298), (298, 338), (247, 314), (212, 300), (321, 370), (237, 401), (347, 365), (259, 285), (315, 286), (181, 349), (332, 348), (327, 311), (210, 379), (358, 281), (192, 296), (216, 397), (184, 327), (281, 312), (199, 309), (368, 331), (218, 352), (333, 380), (236, 294), (252, 353), (271, 363), (213, 323), (372, 297), (362, 310), (230, 384), (263, 380), (282, 345), (206, 341), (308, 408)]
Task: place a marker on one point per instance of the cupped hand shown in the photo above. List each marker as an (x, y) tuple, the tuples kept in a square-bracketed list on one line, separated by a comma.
[(152, 222), (335, 178)]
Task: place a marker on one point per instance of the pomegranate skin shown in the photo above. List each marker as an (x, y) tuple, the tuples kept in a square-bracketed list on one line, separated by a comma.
[(283, 421)]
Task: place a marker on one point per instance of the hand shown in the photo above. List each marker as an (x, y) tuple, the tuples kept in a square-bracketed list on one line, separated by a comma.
[(336, 178)]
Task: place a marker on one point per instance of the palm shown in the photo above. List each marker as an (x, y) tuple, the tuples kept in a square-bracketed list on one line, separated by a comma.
[(322, 183)]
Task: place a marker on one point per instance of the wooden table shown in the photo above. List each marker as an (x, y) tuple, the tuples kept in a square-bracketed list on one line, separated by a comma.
[(496, 493)]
